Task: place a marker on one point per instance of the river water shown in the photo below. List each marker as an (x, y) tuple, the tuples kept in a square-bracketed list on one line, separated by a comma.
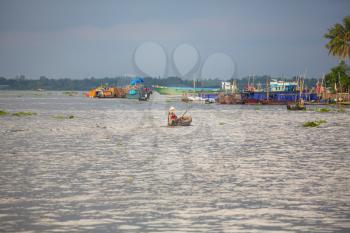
[(116, 167)]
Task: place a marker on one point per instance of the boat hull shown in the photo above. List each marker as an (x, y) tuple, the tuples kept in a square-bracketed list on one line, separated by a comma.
[(295, 108), (183, 121)]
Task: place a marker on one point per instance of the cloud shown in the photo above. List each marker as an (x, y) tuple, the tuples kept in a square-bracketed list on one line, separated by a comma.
[(232, 29), (156, 31), (261, 45)]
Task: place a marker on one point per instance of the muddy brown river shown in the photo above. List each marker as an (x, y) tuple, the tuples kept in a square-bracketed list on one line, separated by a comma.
[(114, 166)]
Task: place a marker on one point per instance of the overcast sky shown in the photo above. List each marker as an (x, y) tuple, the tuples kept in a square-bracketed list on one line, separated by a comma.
[(80, 39)]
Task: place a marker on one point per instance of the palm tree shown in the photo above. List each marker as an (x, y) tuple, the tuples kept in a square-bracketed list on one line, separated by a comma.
[(339, 39)]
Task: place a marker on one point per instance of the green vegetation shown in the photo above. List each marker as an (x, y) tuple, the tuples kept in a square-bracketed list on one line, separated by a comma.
[(313, 123), (63, 117), (20, 114), (17, 114), (3, 113), (21, 83), (72, 85), (324, 110), (327, 110), (59, 117), (339, 78)]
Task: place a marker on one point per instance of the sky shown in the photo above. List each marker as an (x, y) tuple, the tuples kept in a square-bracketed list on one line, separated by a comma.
[(83, 39)]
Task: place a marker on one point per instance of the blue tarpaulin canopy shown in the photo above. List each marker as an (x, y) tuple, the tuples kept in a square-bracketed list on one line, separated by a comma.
[(136, 81)]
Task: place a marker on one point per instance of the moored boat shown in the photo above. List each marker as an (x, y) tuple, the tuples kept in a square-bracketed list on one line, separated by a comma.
[(133, 94), (295, 107)]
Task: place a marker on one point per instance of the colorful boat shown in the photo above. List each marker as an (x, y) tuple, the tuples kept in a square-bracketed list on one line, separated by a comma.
[(133, 94), (107, 92)]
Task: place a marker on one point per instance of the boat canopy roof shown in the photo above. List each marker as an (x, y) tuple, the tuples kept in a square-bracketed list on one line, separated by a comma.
[(136, 81)]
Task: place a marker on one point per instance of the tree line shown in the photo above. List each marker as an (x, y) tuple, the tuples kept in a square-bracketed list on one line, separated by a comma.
[(21, 83)]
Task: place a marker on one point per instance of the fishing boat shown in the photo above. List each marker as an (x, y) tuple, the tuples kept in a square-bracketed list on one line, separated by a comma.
[(295, 107), (107, 92), (184, 121), (201, 97), (300, 104), (196, 98), (138, 91), (145, 94), (133, 94), (210, 101)]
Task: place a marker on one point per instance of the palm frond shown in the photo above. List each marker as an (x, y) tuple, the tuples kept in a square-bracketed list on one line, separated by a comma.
[(339, 39)]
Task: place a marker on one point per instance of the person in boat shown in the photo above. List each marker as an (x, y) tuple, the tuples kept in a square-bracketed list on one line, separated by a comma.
[(172, 118), (301, 103)]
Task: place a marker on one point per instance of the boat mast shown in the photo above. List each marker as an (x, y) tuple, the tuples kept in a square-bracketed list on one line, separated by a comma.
[(194, 84), (253, 81), (267, 89), (300, 87), (303, 80), (248, 82)]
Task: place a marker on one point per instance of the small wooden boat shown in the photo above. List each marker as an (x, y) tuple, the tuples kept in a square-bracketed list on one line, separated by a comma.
[(183, 121), (210, 101), (295, 107), (196, 98)]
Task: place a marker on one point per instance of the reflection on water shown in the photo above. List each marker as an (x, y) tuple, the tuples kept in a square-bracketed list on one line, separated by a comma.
[(115, 167)]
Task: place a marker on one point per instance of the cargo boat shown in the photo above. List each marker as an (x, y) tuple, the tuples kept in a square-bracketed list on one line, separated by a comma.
[(135, 90)]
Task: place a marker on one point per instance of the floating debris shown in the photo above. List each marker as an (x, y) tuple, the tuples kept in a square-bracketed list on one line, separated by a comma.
[(131, 179), (120, 143)]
